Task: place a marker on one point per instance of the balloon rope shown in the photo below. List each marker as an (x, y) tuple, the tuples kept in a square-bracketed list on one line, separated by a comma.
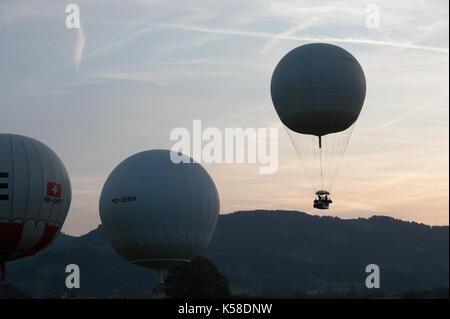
[(298, 147), (321, 168), (342, 147)]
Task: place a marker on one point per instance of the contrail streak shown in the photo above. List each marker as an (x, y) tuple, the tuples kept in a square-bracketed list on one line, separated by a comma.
[(78, 50), (297, 38), (395, 180), (443, 92)]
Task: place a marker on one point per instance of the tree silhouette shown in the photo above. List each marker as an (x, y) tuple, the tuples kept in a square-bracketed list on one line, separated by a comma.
[(196, 280)]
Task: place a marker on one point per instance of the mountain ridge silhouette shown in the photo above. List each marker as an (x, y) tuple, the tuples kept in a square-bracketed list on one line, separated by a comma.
[(272, 252)]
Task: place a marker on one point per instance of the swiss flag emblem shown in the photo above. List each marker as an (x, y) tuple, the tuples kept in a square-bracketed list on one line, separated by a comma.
[(54, 190)]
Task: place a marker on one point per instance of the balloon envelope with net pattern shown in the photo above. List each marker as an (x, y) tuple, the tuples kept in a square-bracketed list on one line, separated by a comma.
[(318, 91)]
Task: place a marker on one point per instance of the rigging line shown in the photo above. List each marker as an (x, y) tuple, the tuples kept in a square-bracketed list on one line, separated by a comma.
[(321, 168), (345, 142), (326, 156), (335, 157), (329, 156), (314, 159), (293, 141), (317, 160), (337, 151), (307, 142)]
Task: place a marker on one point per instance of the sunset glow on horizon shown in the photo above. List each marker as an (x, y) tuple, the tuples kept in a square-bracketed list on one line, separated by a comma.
[(133, 73)]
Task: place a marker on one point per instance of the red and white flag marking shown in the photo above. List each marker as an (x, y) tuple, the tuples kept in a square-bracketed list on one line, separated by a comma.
[(54, 190)]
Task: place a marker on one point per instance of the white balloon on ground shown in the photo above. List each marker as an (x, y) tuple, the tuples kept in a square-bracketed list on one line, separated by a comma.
[(156, 213)]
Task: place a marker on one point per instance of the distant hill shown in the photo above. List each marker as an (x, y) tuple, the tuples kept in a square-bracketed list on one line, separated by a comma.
[(8, 291), (261, 252)]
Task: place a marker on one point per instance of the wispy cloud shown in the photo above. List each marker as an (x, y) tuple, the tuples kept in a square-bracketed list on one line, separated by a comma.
[(267, 35), (443, 92), (168, 63), (119, 40), (78, 50), (129, 76), (289, 32), (396, 180)]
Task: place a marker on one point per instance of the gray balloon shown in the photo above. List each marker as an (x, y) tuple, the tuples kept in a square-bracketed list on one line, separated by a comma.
[(156, 213), (318, 89)]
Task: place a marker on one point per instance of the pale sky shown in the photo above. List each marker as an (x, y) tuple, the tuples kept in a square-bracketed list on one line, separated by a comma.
[(138, 69)]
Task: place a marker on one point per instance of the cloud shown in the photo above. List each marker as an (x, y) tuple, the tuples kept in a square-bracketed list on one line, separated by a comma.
[(289, 32), (19, 12), (117, 42), (396, 180), (129, 76), (434, 101), (164, 63), (78, 50), (288, 36)]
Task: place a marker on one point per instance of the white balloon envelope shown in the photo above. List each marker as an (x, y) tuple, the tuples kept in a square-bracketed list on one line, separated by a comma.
[(35, 196), (156, 213)]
